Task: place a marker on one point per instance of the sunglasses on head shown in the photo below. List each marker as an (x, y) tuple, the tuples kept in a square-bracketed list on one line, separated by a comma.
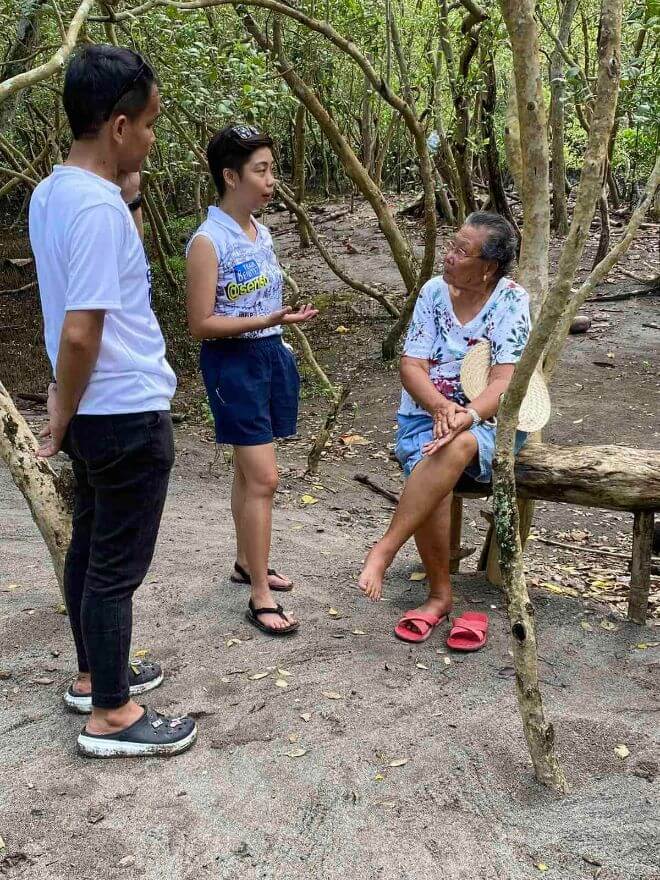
[(127, 87), (244, 132)]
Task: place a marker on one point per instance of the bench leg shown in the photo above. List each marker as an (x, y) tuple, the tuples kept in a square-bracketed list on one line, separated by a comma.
[(455, 530), (526, 517), (640, 574)]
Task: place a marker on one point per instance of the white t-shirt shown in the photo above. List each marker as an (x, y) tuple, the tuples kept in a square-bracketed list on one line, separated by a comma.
[(250, 280), (89, 255), (435, 334)]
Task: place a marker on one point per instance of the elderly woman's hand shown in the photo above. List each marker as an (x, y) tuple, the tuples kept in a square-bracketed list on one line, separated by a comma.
[(462, 422), (444, 418)]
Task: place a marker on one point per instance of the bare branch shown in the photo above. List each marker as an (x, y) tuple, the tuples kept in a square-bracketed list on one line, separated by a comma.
[(55, 63)]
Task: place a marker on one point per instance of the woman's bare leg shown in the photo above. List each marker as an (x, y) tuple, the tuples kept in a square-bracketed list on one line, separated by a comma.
[(430, 482), (432, 539), (259, 473), (238, 490)]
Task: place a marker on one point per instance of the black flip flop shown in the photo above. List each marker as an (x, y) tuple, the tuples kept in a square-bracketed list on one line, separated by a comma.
[(240, 576), (252, 614)]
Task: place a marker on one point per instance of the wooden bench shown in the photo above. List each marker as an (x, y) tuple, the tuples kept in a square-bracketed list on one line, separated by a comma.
[(608, 477)]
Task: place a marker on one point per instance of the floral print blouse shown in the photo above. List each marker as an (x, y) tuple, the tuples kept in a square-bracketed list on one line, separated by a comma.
[(436, 335)]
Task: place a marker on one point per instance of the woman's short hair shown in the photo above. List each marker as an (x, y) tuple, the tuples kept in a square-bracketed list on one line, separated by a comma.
[(103, 80), (501, 245), (232, 148)]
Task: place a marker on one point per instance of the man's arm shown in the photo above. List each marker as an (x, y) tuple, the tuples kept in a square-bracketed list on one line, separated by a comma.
[(80, 342), (130, 190)]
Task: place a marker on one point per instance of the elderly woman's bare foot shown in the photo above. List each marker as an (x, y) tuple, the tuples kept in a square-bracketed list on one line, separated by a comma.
[(373, 571), (440, 607)]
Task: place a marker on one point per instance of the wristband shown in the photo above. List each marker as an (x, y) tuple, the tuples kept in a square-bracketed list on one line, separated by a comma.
[(135, 204), (476, 418)]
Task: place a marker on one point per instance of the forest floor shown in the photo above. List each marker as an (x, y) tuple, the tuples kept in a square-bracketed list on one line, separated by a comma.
[(378, 760)]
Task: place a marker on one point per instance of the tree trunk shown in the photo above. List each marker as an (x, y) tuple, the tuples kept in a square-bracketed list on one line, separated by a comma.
[(604, 238), (299, 169), (519, 17), (512, 137), (521, 26), (37, 481), (558, 95), (495, 186), (366, 128)]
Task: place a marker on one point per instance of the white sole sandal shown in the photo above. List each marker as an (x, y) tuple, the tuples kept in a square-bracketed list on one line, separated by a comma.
[(142, 677), (151, 735)]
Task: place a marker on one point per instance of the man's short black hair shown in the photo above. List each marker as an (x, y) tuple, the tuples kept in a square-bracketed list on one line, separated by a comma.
[(102, 80), (231, 148)]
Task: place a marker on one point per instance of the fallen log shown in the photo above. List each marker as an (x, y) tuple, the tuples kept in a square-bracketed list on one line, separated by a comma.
[(610, 477), (36, 480)]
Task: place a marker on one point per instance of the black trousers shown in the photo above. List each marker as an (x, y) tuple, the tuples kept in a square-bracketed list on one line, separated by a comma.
[(121, 465)]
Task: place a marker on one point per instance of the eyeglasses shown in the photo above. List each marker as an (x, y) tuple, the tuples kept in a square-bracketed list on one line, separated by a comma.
[(127, 87), (244, 132), (452, 247)]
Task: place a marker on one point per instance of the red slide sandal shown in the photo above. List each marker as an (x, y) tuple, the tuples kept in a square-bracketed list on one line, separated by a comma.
[(469, 632), (416, 626)]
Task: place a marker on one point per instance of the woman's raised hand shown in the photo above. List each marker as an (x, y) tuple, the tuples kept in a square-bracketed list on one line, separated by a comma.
[(288, 316)]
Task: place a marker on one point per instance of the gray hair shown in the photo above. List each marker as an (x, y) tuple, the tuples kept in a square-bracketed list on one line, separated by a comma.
[(501, 245)]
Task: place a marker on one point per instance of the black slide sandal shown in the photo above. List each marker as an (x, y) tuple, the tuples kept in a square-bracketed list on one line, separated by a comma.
[(240, 576), (252, 615)]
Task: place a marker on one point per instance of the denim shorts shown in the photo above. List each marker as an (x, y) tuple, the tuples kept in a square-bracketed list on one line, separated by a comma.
[(415, 431), (253, 387)]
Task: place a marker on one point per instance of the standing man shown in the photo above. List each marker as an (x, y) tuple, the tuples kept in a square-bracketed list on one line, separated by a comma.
[(109, 406)]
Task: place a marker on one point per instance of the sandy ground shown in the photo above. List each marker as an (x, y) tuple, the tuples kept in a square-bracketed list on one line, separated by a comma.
[(465, 804)]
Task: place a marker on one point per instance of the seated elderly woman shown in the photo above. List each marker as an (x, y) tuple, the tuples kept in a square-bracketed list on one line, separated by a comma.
[(442, 434)]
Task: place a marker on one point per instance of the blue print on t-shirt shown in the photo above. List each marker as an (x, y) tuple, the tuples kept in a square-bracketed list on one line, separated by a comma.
[(246, 271)]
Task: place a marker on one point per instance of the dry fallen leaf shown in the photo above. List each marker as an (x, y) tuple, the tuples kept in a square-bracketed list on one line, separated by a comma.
[(542, 866), (608, 625), (284, 672), (306, 716), (359, 632), (141, 653), (331, 695), (417, 576), (354, 440), (43, 680), (342, 329), (281, 683), (309, 499), (398, 762), (379, 777), (622, 751), (296, 753), (560, 591), (447, 660), (257, 675), (586, 626), (421, 666), (294, 737), (2, 845), (231, 642), (333, 612)]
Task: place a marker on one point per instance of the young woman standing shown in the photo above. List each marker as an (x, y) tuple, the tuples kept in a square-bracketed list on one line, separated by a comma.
[(234, 295)]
